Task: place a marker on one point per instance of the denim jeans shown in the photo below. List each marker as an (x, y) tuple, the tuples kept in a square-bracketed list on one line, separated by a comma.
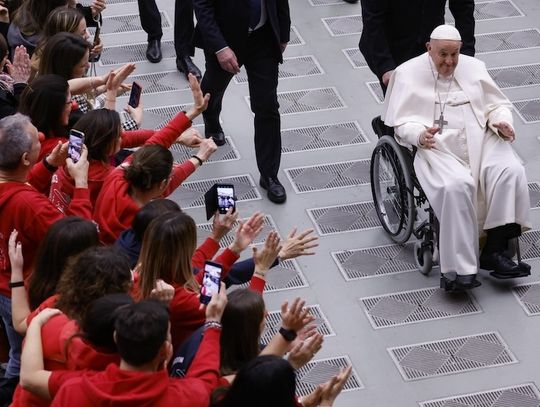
[(14, 339)]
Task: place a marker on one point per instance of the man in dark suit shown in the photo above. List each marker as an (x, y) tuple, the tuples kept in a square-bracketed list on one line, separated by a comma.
[(151, 23), (395, 31), (183, 37), (253, 33)]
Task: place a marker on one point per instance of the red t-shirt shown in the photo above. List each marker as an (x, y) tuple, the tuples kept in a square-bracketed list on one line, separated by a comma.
[(127, 388), (115, 209)]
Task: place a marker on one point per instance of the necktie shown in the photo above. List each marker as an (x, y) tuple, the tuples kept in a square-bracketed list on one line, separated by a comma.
[(254, 13)]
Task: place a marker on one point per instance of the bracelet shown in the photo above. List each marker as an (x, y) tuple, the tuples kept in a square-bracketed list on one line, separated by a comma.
[(212, 324), (258, 273), (16, 284), (49, 167), (198, 159)]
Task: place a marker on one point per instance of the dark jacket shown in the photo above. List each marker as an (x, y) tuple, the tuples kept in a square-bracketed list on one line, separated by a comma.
[(395, 31), (225, 23), (9, 102)]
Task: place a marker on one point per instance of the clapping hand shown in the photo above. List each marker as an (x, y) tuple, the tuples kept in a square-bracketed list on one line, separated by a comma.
[(298, 245), (20, 68), (247, 231), (305, 350), (295, 317), (15, 257), (222, 224), (264, 258)]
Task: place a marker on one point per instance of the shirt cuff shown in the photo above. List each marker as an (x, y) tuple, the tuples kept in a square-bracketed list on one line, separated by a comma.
[(217, 52)]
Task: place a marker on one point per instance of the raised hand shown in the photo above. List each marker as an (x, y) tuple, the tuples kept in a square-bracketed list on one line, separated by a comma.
[(79, 170), (223, 224), (190, 138), (58, 155), (304, 351), (264, 258), (295, 317), (200, 102), (298, 245), (162, 292), (216, 306), (247, 231), (15, 257), (20, 68)]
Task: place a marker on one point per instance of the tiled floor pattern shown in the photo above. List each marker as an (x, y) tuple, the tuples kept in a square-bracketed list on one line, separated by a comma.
[(398, 330)]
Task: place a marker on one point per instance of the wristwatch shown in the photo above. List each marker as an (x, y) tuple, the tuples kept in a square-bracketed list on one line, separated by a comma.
[(287, 334)]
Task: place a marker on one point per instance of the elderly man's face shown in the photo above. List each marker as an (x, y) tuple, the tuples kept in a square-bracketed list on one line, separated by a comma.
[(445, 55)]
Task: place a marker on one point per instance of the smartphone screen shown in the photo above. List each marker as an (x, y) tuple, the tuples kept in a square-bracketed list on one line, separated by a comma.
[(211, 281), (135, 95), (225, 197), (75, 145), (94, 57)]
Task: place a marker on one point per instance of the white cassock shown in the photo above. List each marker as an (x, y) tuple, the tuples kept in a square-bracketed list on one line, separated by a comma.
[(472, 177)]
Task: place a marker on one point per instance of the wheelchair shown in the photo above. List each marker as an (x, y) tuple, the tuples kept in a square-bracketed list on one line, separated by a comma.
[(403, 208), (398, 197)]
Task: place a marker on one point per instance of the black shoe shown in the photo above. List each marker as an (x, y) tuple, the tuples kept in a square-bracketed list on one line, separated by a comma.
[(275, 191), (218, 136), (153, 52), (502, 267), (456, 283), (186, 66)]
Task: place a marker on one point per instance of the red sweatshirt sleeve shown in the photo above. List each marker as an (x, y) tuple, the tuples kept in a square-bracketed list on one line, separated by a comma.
[(179, 173), (136, 138), (40, 178), (257, 284), (204, 252), (59, 377), (80, 204), (168, 134), (205, 365), (226, 259)]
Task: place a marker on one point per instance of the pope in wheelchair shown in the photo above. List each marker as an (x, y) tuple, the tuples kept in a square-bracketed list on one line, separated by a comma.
[(446, 108)]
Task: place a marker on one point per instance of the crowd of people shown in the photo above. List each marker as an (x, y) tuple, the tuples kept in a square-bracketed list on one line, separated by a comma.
[(100, 273)]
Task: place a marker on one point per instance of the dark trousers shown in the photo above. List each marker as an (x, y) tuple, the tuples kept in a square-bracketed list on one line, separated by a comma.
[(183, 27), (261, 64), (150, 19)]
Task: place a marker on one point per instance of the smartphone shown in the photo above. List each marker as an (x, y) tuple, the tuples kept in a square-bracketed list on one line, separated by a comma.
[(135, 95), (225, 197), (95, 58), (75, 145), (211, 281)]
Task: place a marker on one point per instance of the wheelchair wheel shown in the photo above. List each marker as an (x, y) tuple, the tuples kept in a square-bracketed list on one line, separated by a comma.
[(423, 257), (392, 189)]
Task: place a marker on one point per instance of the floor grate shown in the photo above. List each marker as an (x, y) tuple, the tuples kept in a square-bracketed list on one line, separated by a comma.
[(449, 356), (293, 67), (226, 152), (158, 117), (355, 57), (322, 137), (309, 100), (159, 82), (329, 176), (191, 194), (122, 54), (128, 23), (295, 37), (344, 218), (316, 3), (273, 323), (375, 261), (376, 91), (343, 25), (528, 296), (534, 194), (205, 229), (507, 41), (516, 76), (528, 110), (529, 243), (320, 371), (524, 395), (490, 10), (417, 306)]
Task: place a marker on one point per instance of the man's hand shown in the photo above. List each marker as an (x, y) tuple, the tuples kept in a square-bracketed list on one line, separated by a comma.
[(227, 60), (386, 77), (427, 138), (505, 131)]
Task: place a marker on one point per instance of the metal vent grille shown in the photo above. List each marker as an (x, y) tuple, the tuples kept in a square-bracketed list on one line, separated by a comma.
[(525, 395), (158, 117), (191, 194), (322, 137), (293, 67), (344, 25), (507, 41), (159, 82), (316, 3), (416, 306), (451, 356), (490, 10), (122, 54), (355, 57), (273, 323), (205, 229), (309, 100), (528, 296), (516, 76), (376, 91), (529, 243), (295, 37), (227, 152), (375, 261), (528, 110), (534, 194), (329, 176), (344, 218), (320, 371), (128, 23)]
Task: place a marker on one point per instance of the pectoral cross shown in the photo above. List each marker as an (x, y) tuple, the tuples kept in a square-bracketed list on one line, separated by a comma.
[(440, 123)]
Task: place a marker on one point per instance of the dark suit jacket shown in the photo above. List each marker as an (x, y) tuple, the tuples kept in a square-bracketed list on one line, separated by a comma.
[(395, 31), (222, 23)]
